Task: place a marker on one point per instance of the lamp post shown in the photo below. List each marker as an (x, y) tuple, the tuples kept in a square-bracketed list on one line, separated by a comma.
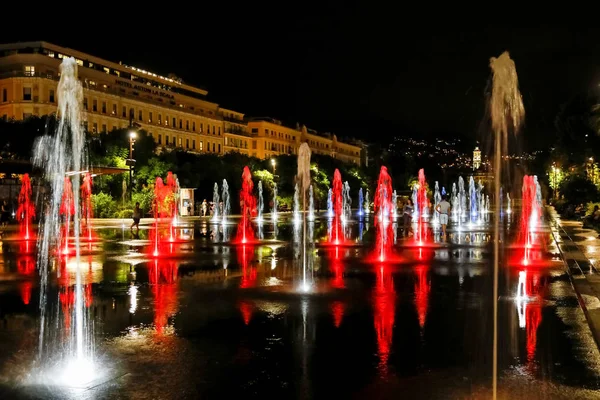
[(273, 163), (554, 181), (131, 162)]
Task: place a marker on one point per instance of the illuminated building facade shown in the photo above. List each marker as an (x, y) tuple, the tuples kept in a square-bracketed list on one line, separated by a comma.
[(118, 96), (476, 158)]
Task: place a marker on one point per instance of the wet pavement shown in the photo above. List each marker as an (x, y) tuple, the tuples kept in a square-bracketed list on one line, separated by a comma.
[(224, 320)]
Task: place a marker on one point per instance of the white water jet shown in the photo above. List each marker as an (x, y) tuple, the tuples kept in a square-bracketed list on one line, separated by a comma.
[(311, 204), (275, 205), (261, 202), (225, 212), (296, 209), (330, 203), (367, 203), (462, 198), (508, 203), (395, 204), (61, 157), (415, 202), (472, 199), (303, 177), (346, 203), (216, 198), (437, 198), (360, 202)]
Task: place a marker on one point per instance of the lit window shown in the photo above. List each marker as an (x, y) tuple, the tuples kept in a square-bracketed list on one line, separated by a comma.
[(4, 95), (29, 70), (201, 145), (60, 55), (107, 70), (51, 54), (26, 93), (79, 62), (51, 96)]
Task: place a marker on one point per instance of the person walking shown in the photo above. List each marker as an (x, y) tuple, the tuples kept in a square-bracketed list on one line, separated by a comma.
[(137, 215), (204, 207), (444, 208)]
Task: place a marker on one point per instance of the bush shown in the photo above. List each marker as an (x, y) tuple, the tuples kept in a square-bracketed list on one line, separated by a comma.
[(145, 197), (125, 213), (577, 189), (104, 205)]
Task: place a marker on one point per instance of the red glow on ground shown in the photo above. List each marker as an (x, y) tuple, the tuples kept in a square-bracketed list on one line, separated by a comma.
[(162, 276), (337, 311), (384, 314), (422, 289), (26, 210), (247, 309), (25, 289), (530, 302)]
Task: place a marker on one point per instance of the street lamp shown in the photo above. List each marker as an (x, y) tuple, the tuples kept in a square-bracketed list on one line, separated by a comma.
[(273, 163), (131, 162)]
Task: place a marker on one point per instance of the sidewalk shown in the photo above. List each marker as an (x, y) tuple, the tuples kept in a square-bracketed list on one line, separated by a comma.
[(580, 248)]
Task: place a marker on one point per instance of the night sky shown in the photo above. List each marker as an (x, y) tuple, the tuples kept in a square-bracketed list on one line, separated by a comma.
[(365, 71)]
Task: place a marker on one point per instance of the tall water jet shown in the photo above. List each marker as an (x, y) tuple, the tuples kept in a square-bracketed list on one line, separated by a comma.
[(383, 216), (394, 205), (248, 207), (67, 211), (330, 203), (462, 197), (437, 198), (508, 204), (296, 209), (367, 203), (275, 205), (507, 113), (336, 234), (346, 203), (421, 231), (415, 201), (311, 204), (158, 207), (538, 191), (86, 204), (26, 209), (303, 177), (360, 202), (215, 216), (59, 156), (261, 203), (226, 202), (472, 199), (455, 201)]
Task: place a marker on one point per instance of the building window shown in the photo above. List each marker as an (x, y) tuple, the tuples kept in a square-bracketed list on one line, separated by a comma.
[(114, 109), (219, 131), (27, 93), (85, 103), (174, 122), (159, 119), (131, 113), (187, 125), (201, 145), (201, 127), (150, 117), (194, 144), (94, 105), (180, 124), (213, 129), (219, 147), (103, 128), (95, 128), (166, 120), (51, 96), (29, 70), (4, 95), (166, 140), (124, 112), (159, 138), (187, 143), (179, 142), (103, 107), (114, 128), (213, 147), (194, 126), (208, 129), (140, 118)]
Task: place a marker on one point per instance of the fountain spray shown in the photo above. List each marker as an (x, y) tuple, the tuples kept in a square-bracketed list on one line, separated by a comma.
[(216, 202), (303, 177), (507, 112), (260, 201)]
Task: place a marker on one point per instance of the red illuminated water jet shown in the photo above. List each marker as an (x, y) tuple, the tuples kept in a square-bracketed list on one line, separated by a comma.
[(384, 314), (26, 210), (530, 220), (67, 210), (245, 233), (336, 234), (170, 197), (86, 206), (420, 233), (162, 276), (164, 208), (384, 233), (422, 289)]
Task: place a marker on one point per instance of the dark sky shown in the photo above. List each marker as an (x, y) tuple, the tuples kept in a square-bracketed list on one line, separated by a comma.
[(368, 71)]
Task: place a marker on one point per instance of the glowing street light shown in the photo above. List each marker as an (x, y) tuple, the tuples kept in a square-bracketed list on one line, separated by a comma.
[(273, 163)]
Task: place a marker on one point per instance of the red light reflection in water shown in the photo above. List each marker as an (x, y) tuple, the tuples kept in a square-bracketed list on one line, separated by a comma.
[(249, 274), (26, 267), (337, 310), (336, 236), (422, 289), (162, 276), (245, 233), (247, 309), (337, 267), (530, 294), (384, 313), (66, 294)]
